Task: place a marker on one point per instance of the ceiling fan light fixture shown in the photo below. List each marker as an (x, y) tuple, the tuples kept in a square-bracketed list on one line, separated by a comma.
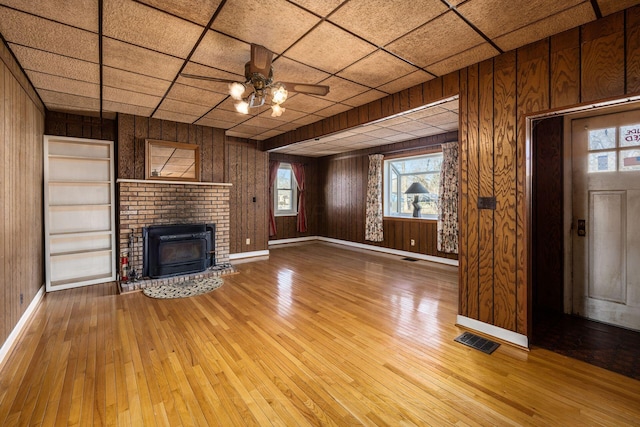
[(277, 110), (236, 90), (242, 107), (278, 93), (256, 99)]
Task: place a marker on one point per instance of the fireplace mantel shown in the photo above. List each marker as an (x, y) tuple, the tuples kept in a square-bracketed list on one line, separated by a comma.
[(157, 181)]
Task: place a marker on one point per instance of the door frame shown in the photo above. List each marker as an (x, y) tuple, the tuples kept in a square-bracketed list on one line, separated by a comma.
[(580, 111)]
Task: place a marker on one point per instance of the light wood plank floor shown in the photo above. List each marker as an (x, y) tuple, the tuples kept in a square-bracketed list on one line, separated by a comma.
[(318, 334)]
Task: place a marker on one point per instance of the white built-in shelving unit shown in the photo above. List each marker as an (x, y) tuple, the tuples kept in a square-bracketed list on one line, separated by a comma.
[(79, 212)]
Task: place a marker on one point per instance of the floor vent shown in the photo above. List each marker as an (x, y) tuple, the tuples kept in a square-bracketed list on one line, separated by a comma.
[(479, 343), (409, 259)]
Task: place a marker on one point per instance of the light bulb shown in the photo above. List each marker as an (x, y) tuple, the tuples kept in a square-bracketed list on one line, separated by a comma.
[(279, 94), (236, 90), (277, 110), (242, 107)]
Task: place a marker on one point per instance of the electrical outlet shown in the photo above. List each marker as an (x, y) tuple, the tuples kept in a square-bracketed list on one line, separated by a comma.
[(413, 242), (248, 241)]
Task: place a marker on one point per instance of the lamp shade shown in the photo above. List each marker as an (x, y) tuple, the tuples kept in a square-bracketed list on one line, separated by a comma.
[(416, 188)]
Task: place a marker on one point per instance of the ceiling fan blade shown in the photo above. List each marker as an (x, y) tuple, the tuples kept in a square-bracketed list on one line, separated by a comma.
[(308, 89), (210, 79), (260, 60)]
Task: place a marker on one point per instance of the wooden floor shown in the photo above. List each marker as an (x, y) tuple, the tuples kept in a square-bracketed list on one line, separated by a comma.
[(315, 335)]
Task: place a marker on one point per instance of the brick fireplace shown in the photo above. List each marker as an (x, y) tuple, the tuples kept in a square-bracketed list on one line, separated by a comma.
[(145, 203)]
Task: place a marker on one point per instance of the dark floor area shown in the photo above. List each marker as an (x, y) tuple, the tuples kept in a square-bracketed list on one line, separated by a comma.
[(607, 346)]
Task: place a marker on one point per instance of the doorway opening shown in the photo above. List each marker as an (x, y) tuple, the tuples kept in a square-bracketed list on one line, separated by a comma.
[(562, 319)]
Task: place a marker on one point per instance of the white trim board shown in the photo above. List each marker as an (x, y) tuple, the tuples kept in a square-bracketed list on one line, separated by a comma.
[(242, 255), (494, 331), (26, 316), (423, 257)]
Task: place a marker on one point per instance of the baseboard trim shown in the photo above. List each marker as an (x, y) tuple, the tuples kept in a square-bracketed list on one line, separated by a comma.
[(494, 331), (26, 316), (242, 255)]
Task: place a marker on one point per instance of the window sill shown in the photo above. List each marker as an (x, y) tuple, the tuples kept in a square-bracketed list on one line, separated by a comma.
[(408, 218), (286, 214)]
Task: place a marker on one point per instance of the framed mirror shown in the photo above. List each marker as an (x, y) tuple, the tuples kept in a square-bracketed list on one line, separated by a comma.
[(173, 161)]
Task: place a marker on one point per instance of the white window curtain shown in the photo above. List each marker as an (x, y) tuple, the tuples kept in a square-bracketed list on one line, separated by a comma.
[(448, 200), (373, 228)]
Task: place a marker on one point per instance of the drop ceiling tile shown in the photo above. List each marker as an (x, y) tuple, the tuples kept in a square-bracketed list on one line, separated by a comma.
[(495, 17), (407, 127), (71, 101), (333, 110), (126, 80), (468, 57), (442, 118), (344, 49), (222, 52), (238, 134), (184, 107), (63, 84), (427, 131), (355, 139), (220, 124), (79, 13), (57, 65), (341, 89), (130, 97), (268, 134), (399, 137), (194, 95), (150, 28), (321, 7), (286, 127), (226, 116), (441, 38), (364, 98), (201, 70), (28, 30), (275, 24), (306, 103), (119, 107), (288, 70), (289, 114), (554, 24), (308, 119), (453, 105), (72, 109), (262, 121), (395, 121), (125, 56), (248, 129), (380, 133), (607, 7), (198, 11), (405, 82), (382, 21), (174, 116)]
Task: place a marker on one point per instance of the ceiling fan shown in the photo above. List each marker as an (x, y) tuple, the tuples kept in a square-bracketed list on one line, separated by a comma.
[(259, 79)]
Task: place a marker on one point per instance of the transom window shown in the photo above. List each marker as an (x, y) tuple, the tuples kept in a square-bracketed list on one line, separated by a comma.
[(616, 148), (285, 197), (400, 173)]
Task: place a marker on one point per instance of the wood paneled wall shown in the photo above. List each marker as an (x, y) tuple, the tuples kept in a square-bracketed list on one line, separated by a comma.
[(133, 130), (344, 184), (76, 126), (21, 194), (314, 205), (598, 61), (247, 167)]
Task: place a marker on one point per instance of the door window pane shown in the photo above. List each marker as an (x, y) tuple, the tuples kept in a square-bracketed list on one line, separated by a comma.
[(629, 160), (602, 139), (602, 161), (630, 135)]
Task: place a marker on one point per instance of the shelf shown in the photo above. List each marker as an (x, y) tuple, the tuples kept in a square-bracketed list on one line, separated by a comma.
[(66, 157), (83, 252), (82, 233), (82, 205), (82, 279), (67, 182)]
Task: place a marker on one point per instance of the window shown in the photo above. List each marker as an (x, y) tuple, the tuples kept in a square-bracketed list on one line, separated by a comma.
[(285, 192), (614, 149), (399, 174)]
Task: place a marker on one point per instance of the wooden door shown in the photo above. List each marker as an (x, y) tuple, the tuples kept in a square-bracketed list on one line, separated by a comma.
[(606, 213), (79, 212)]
